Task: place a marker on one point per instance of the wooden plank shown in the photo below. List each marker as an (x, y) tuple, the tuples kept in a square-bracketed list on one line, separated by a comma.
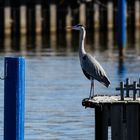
[(23, 22), (82, 14), (132, 121), (105, 120), (53, 17), (101, 123), (117, 124)]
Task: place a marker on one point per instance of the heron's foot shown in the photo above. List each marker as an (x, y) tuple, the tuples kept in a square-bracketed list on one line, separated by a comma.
[(91, 97)]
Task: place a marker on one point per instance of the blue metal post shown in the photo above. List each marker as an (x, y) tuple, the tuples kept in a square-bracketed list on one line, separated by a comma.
[(14, 93), (121, 26)]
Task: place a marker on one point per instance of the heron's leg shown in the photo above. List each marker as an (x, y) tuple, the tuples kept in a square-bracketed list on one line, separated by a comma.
[(92, 87), (90, 90)]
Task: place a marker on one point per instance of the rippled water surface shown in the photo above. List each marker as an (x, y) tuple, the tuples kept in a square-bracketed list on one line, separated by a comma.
[(56, 86)]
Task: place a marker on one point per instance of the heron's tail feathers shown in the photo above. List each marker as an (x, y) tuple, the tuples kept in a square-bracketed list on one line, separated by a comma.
[(106, 82)]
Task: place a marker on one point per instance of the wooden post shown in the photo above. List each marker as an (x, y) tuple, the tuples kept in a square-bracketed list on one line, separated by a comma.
[(82, 14), (121, 27), (137, 11), (53, 18), (115, 20), (132, 121), (110, 15), (14, 92), (23, 27), (101, 123), (118, 128)]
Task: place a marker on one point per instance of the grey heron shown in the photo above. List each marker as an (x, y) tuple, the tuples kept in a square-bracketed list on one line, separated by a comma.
[(90, 66)]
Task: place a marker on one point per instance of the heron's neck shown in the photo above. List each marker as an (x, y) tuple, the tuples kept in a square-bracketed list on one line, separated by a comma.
[(82, 42)]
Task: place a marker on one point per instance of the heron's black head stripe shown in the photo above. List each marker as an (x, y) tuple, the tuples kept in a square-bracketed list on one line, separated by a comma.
[(79, 25)]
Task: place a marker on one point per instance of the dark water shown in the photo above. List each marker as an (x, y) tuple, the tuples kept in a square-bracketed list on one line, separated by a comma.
[(55, 84)]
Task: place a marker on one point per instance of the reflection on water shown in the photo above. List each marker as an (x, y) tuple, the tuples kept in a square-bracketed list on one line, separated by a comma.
[(65, 42), (55, 85), (122, 70)]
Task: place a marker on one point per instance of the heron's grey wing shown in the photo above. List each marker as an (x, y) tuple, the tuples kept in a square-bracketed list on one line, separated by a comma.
[(94, 69)]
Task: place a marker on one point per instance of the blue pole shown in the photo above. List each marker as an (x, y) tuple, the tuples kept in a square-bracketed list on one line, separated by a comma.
[(121, 26), (14, 92)]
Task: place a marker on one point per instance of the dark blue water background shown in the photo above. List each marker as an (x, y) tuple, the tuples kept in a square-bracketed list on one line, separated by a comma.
[(56, 86)]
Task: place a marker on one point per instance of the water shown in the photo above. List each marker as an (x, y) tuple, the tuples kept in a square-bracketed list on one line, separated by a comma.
[(56, 86)]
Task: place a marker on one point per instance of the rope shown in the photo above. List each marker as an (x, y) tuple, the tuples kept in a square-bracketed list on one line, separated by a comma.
[(2, 78)]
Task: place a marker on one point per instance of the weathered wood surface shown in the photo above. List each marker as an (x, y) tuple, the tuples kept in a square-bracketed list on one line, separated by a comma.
[(122, 115), (101, 123), (101, 100)]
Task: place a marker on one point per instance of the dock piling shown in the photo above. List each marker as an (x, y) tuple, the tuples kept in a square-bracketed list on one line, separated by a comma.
[(121, 27), (132, 121), (117, 122), (101, 121), (121, 114), (14, 92)]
